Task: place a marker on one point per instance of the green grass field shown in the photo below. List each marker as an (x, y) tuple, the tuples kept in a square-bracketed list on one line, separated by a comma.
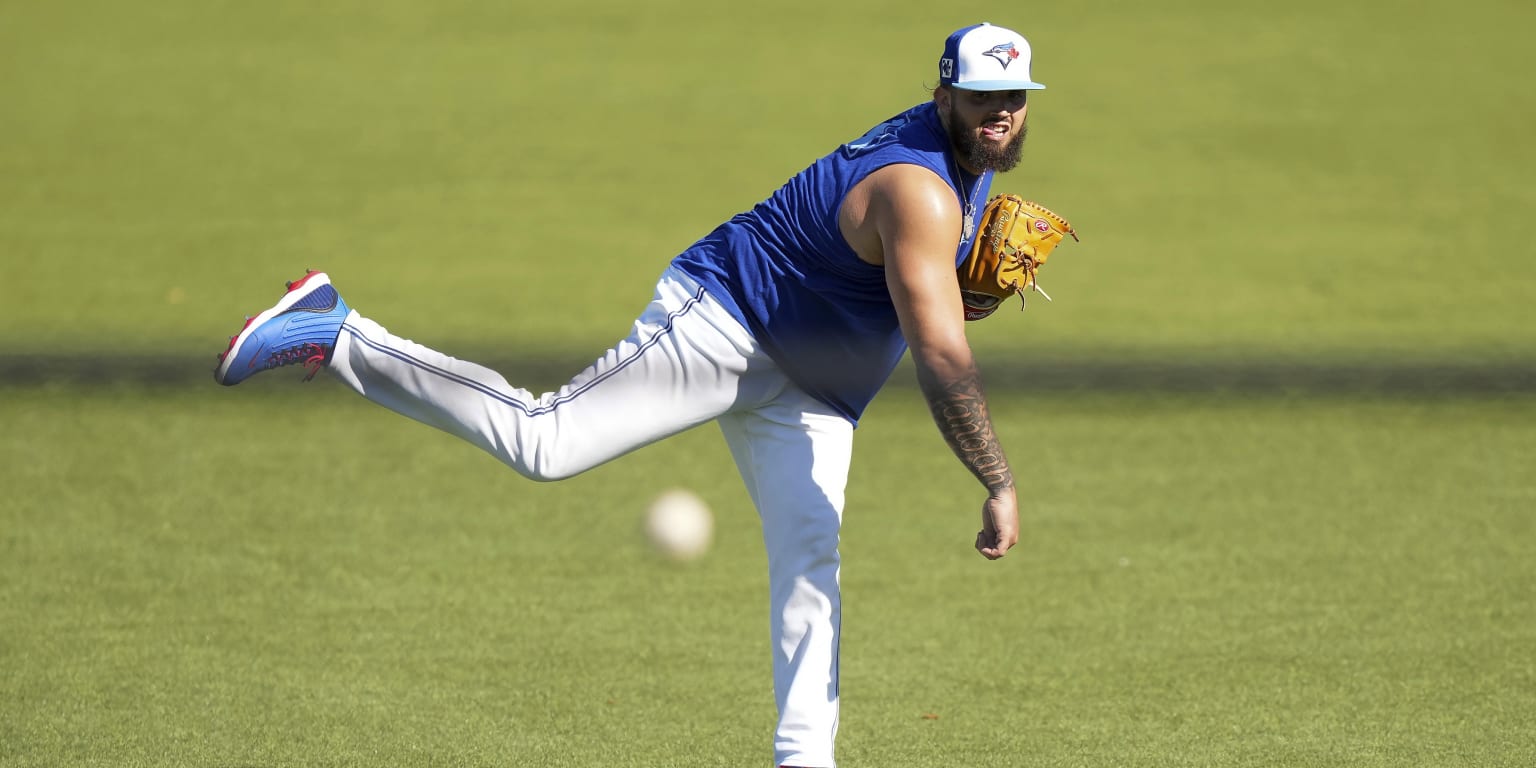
[(1276, 433)]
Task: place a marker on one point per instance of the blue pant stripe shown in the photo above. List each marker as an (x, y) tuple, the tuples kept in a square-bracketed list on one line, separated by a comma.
[(518, 404)]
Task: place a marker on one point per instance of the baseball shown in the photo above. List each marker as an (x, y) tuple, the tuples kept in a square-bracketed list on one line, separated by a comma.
[(679, 525)]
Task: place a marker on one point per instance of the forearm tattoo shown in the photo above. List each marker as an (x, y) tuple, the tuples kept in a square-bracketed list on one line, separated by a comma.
[(960, 409)]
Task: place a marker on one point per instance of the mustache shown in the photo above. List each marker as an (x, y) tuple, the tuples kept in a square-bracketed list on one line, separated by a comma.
[(984, 156)]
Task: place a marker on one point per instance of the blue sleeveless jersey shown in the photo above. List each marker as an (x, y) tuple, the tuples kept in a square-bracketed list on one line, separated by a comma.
[(785, 271)]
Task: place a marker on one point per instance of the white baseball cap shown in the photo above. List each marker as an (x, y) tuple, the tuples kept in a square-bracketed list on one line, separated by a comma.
[(982, 57)]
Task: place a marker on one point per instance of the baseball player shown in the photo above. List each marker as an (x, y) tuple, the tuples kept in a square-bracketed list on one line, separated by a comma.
[(780, 326)]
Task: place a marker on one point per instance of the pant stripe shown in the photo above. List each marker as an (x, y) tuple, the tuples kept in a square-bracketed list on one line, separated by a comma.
[(503, 398)]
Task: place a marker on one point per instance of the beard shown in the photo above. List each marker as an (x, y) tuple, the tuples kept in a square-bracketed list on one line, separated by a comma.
[(985, 156)]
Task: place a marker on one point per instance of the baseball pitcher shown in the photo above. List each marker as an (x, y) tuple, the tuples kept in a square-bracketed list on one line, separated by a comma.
[(780, 326)]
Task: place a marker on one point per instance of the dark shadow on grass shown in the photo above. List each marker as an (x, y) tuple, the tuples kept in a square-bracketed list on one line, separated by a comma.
[(1041, 375)]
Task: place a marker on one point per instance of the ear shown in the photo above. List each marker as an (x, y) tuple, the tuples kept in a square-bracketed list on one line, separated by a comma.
[(942, 97)]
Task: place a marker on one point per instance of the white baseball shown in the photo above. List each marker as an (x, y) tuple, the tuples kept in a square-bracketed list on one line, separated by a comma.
[(679, 525)]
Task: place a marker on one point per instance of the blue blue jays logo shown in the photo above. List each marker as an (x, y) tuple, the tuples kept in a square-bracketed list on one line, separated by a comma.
[(1005, 53)]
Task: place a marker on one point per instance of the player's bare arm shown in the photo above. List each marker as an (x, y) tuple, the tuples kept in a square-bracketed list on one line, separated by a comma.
[(907, 219)]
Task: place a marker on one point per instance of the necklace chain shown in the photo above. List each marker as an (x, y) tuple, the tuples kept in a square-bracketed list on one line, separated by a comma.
[(969, 224)]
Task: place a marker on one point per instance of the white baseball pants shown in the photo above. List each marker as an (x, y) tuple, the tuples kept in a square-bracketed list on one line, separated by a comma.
[(686, 362)]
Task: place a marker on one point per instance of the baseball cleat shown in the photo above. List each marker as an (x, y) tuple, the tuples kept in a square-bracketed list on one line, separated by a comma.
[(301, 328)]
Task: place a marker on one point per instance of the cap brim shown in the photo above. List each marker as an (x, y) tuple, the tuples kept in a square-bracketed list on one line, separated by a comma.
[(1000, 85)]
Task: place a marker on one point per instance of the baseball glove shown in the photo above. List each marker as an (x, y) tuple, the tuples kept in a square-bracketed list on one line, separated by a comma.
[(1016, 237)]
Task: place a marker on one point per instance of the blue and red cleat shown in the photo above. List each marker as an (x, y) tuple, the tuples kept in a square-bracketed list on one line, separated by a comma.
[(301, 328)]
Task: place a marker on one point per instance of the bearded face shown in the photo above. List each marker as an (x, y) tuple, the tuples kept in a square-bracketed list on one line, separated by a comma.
[(981, 127)]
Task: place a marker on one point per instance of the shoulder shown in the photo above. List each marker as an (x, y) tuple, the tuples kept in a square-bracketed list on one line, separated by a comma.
[(891, 204), (907, 190)]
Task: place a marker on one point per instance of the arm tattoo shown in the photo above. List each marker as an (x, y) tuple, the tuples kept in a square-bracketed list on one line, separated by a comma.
[(960, 409)]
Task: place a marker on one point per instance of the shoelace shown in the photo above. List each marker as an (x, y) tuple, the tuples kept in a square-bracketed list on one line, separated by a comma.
[(311, 355)]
